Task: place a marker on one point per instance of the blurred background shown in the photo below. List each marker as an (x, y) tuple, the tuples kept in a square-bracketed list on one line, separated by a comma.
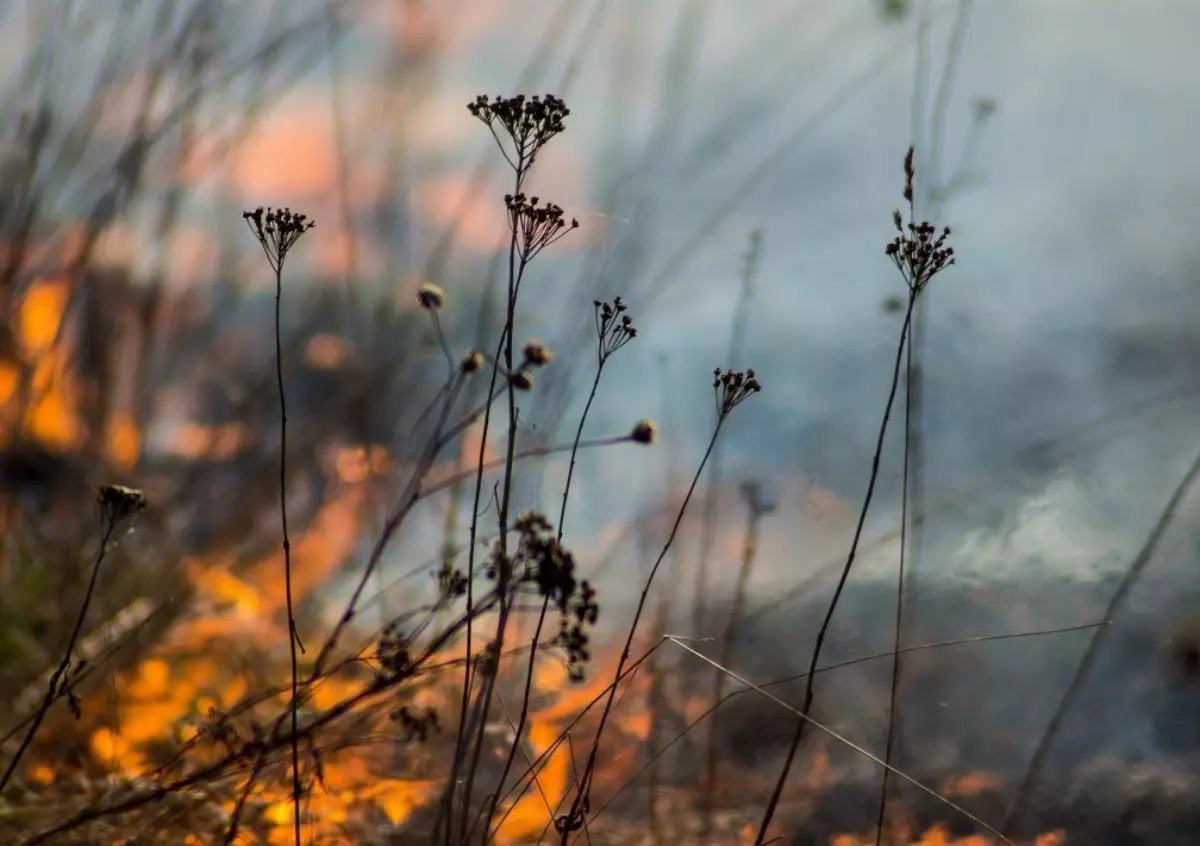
[(733, 167)]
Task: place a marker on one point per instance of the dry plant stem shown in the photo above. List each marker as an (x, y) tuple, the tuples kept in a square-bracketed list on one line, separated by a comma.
[(737, 339), (408, 499), (798, 737), (749, 552), (235, 817), (827, 668), (235, 759), (895, 683), (53, 691), (446, 811), (1136, 568), (654, 700), (581, 797), (516, 271), (519, 729), (564, 735), (293, 635), (277, 232)]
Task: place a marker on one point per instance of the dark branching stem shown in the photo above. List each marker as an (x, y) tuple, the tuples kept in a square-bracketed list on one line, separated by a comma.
[(893, 698), (731, 389), (541, 620), (234, 760), (757, 508), (504, 347), (116, 504), (235, 817), (517, 262), (798, 737), (293, 634), (277, 232), (460, 747), (529, 123), (919, 252), (611, 335)]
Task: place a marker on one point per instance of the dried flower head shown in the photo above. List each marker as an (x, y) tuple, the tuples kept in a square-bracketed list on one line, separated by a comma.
[(731, 387), (644, 432), (430, 297), (543, 562), (472, 361), (919, 252), (537, 354), (277, 231), (417, 725), (521, 380), (909, 174), (529, 123), (536, 225), (118, 502), (614, 328), (394, 652)]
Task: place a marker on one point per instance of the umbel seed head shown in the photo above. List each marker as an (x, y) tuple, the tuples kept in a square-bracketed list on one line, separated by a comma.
[(732, 387), (430, 297), (472, 361), (644, 432), (537, 353), (118, 502), (277, 231)]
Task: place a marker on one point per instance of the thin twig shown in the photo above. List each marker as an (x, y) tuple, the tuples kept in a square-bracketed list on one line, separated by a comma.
[(293, 634), (845, 741), (53, 688), (862, 659), (900, 574), (777, 792), (579, 804), (519, 729)]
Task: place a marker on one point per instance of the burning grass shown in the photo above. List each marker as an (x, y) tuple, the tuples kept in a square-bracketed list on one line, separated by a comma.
[(245, 692)]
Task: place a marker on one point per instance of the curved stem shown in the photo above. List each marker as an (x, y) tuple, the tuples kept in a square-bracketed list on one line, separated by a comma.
[(53, 690), (837, 593)]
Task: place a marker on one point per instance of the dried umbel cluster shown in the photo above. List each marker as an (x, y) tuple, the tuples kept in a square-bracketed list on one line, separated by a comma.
[(644, 432), (918, 254), (394, 653), (472, 362), (542, 562), (530, 123), (918, 250), (118, 503), (731, 387), (536, 225), (430, 297), (614, 328), (277, 230), (416, 724), (536, 354)]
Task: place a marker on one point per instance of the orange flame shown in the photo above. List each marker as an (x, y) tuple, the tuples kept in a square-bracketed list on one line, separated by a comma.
[(49, 414)]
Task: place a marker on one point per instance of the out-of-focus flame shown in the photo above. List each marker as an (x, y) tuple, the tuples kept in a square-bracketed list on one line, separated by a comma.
[(529, 817), (48, 412), (939, 835), (195, 671)]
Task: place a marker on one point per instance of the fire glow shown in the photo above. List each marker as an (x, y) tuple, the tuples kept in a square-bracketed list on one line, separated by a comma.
[(229, 646)]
